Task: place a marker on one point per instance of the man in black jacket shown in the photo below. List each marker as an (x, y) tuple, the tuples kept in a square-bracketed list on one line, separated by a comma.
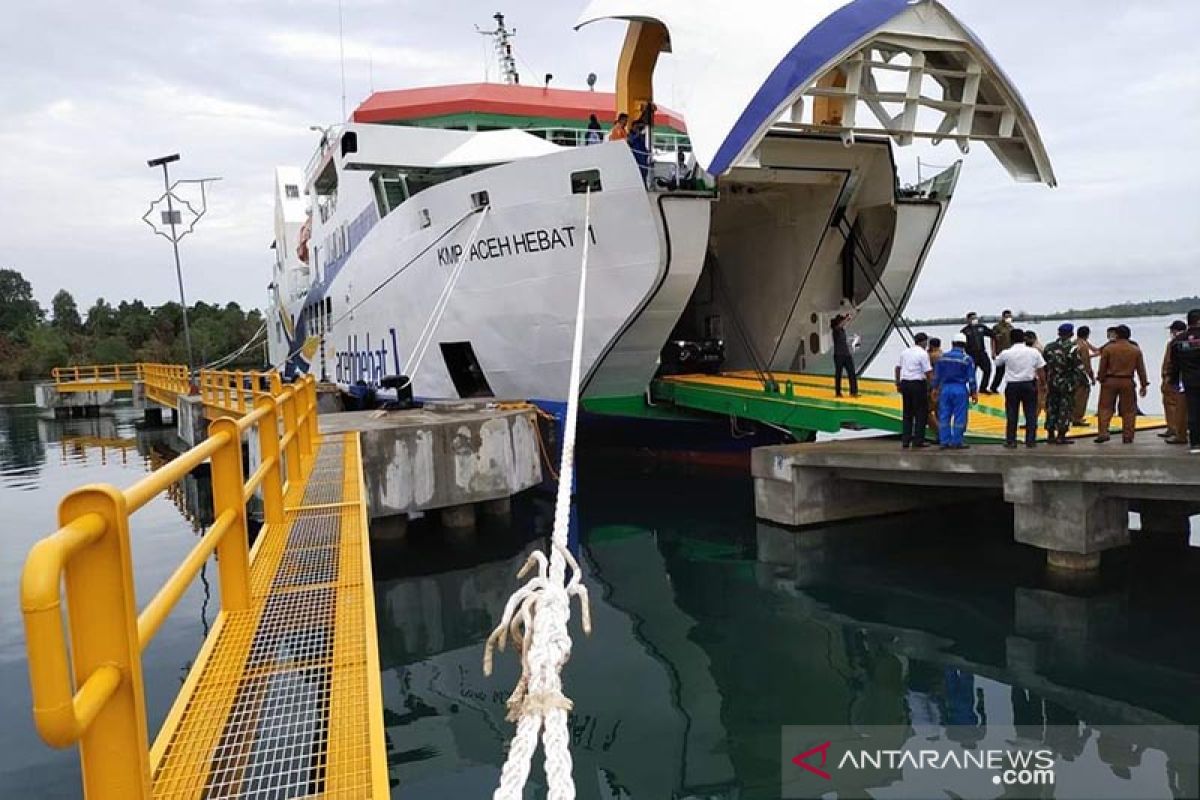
[(1185, 370), (976, 332)]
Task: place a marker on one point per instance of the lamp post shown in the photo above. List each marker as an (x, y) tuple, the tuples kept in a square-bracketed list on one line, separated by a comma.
[(172, 218)]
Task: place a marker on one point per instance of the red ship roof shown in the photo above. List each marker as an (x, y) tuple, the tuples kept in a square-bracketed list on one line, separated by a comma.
[(497, 98)]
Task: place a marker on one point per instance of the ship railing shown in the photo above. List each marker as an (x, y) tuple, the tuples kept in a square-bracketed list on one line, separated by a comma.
[(329, 138), (663, 141), (89, 690)]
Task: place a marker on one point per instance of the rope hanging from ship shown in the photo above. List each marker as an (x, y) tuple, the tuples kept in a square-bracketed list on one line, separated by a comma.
[(537, 617)]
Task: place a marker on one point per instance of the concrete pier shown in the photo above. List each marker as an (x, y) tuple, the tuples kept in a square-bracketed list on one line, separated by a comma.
[(1072, 502), (190, 423), (72, 404), (448, 455)]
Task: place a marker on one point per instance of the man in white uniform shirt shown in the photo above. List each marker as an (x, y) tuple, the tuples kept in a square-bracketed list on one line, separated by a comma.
[(912, 381), (1023, 366)]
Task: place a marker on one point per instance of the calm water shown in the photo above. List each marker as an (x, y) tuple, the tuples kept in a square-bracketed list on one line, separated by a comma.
[(712, 631), (40, 461)]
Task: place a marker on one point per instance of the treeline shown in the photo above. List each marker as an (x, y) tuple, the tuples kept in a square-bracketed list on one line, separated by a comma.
[(34, 340), (1148, 308)]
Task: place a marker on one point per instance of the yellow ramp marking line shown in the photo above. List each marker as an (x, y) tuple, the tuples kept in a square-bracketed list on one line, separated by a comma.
[(284, 699)]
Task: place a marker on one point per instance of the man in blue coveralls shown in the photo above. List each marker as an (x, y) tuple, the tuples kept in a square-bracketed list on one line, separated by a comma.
[(954, 381)]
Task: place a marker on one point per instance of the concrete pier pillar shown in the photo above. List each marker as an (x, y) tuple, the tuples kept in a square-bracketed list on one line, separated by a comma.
[(1074, 522), (390, 529), (1072, 562), (190, 423), (458, 517), (500, 507)]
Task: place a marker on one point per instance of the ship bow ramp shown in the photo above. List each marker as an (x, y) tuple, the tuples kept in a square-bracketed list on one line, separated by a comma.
[(796, 108)]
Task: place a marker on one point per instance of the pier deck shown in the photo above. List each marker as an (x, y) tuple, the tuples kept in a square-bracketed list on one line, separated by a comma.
[(1073, 501), (807, 402), (284, 700)]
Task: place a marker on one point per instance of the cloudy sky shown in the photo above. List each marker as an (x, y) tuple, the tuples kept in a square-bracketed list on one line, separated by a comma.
[(90, 91)]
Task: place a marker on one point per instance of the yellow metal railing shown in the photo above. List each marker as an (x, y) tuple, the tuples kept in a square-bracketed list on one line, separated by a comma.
[(232, 391), (92, 693), (165, 383), (236, 391), (97, 372)]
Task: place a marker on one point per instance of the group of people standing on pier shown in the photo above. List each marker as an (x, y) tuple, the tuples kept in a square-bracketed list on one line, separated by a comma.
[(938, 387)]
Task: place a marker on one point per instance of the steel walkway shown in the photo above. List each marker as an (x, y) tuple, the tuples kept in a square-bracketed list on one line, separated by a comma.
[(283, 699), (807, 403)]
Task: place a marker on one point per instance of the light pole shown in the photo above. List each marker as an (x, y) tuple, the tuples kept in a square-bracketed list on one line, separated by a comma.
[(172, 218)]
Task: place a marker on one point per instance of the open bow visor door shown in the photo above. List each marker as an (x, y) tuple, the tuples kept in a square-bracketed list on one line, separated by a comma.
[(901, 68)]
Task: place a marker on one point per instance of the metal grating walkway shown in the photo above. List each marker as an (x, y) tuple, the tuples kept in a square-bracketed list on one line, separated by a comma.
[(284, 699)]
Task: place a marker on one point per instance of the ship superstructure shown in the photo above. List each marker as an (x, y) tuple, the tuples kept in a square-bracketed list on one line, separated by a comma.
[(446, 223)]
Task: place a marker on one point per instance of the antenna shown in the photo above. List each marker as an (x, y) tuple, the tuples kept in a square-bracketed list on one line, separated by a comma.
[(501, 37), (342, 58)]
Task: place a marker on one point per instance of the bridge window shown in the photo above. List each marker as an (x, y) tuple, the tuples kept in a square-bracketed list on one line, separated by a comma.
[(292, 191)]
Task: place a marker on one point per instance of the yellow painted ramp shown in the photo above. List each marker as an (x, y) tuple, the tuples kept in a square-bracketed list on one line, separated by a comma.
[(878, 401)]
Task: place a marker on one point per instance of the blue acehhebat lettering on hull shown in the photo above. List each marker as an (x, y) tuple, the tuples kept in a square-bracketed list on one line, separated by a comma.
[(362, 361), (515, 244)]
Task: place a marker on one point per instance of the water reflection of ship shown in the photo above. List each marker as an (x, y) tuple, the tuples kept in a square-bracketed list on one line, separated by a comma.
[(646, 721), (712, 632), (877, 623)]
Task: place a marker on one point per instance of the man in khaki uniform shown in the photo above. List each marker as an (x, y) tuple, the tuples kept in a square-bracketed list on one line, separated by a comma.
[(1174, 409), (1082, 393), (1120, 360)]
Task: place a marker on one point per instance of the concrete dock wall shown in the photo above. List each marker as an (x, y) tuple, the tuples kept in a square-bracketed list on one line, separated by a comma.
[(47, 397), (442, 456), (1073, 502)]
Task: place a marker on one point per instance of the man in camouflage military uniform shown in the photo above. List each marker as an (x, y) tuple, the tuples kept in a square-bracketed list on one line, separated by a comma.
[(1064, 374)]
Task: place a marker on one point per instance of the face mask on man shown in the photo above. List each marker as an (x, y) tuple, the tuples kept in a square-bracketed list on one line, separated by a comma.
[(1007, 318)]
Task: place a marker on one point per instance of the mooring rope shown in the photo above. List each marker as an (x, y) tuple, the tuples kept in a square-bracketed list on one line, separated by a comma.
[(439, 307), (537, 614), (230, 357)]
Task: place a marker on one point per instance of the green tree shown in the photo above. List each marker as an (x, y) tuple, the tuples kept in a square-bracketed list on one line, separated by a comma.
[(66, 313), (111, 350), (101, 318), (48, 348), (19, 312), (135, 323)]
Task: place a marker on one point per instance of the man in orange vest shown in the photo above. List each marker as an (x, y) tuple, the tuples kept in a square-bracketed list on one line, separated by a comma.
[(620, 128)]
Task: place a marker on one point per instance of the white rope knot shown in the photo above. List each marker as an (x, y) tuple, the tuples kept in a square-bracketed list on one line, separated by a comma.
[(519, 611)]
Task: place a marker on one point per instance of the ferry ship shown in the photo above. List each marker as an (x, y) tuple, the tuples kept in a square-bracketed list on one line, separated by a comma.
[(439, 233)]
